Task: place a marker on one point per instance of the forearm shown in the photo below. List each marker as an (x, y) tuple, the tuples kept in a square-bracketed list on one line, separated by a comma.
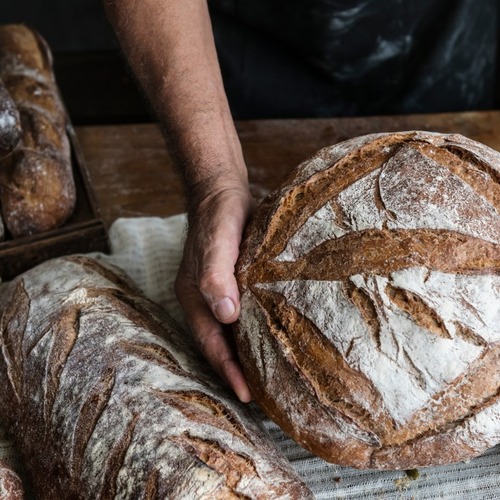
[(170, 47)]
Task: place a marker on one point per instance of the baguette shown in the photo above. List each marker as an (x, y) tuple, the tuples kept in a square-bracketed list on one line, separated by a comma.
[(106, 398), (37, 190), (11, 487), (370, 291)]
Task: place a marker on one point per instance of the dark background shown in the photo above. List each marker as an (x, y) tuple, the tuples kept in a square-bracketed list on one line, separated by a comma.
[(93, 75), (94, 79)]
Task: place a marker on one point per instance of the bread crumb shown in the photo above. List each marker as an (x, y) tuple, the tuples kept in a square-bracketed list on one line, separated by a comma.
[(404, 483)]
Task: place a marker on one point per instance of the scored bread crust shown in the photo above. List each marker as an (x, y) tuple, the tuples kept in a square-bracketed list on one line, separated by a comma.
[(370, 301), (37, 190), (107, 398), (11, 487), (10, 122)]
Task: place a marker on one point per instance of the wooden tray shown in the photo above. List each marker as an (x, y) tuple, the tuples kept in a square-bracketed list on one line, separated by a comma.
[(83, 232)]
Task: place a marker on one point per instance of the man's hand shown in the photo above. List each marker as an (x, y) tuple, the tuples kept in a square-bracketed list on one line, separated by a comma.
[(206, 286), (170, 47)]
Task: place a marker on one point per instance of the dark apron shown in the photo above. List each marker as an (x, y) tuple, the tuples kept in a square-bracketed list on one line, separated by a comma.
[(300, 58)]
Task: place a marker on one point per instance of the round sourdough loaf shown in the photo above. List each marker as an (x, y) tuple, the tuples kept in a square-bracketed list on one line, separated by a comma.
[(370, 291)]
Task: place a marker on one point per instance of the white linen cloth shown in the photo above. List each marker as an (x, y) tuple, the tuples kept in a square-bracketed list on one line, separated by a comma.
[(150, 249)]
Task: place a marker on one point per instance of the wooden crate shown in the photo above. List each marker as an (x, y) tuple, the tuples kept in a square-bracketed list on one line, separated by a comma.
[(83, 232)]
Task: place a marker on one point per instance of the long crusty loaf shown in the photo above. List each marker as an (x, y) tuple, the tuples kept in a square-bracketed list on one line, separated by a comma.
[(106, 398), (10, 132), (370, 282), (11, 487), (10, 122), (37, 190)]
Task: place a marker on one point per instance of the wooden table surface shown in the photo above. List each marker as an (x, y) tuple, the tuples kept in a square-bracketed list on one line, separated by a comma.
[(133, 174)]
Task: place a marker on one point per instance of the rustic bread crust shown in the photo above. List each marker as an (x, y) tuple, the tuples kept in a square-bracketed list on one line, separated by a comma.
[(10, 122), (37, 189), (370, 294), (11, 487), (107, 398)]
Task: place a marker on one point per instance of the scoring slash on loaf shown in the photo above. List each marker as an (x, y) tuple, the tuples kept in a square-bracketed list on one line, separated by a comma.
[(370, 291), (106, 398)]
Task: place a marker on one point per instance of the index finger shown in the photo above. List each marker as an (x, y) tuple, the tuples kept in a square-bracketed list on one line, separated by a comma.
[(212, 342)]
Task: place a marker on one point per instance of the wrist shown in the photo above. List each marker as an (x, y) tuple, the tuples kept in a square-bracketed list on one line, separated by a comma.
[(212, 165), (206, 149), (212, 196)]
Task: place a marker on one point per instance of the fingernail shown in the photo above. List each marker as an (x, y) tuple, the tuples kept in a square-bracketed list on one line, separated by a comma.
[(224, 308), (235, 378), (244, 394)]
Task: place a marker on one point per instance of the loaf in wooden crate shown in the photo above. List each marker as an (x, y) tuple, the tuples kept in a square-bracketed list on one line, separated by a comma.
[(10, 132), (370, 285), (10, 122), (106, 397), (37, 191)]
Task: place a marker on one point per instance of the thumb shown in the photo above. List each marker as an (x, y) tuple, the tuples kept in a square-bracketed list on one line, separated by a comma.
[(217, 233), (216, 280)]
